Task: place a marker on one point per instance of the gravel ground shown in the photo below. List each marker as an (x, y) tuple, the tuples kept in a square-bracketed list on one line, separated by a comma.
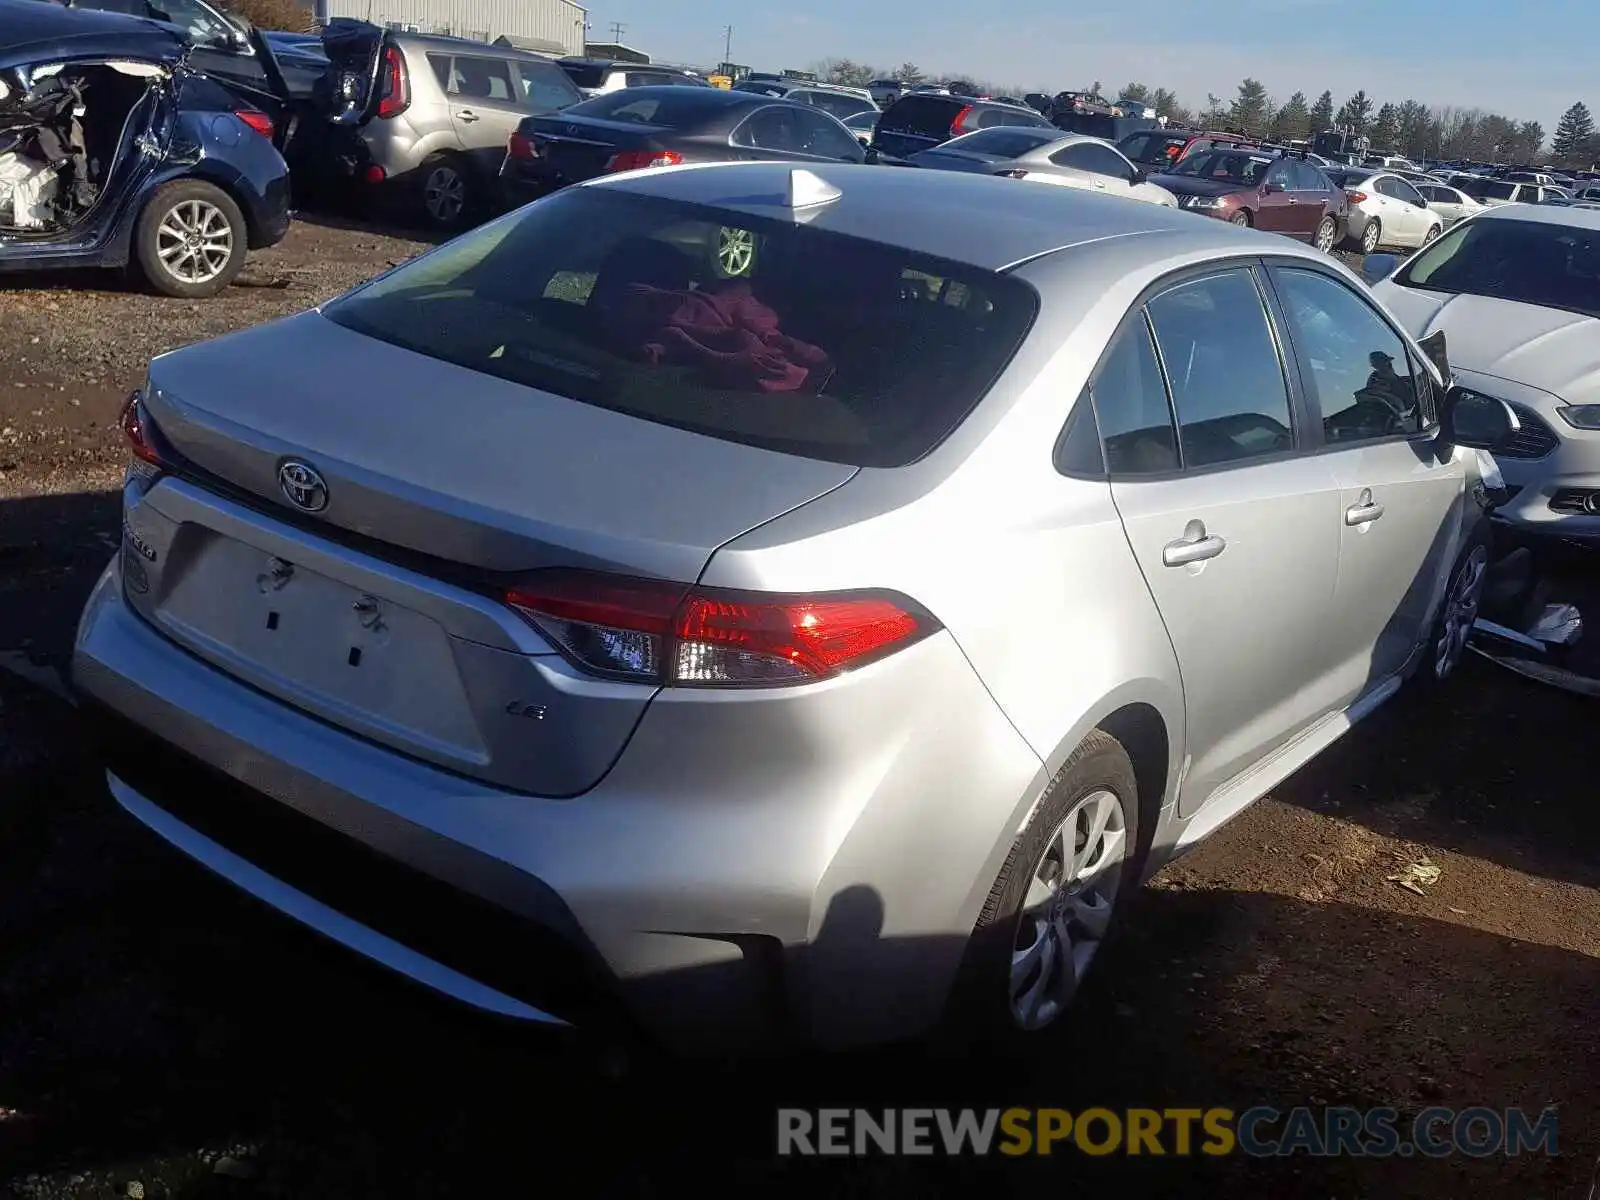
[(163, 1036)]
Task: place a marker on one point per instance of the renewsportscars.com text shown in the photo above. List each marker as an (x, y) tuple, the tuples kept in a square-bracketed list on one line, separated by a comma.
[(1257, 1132)]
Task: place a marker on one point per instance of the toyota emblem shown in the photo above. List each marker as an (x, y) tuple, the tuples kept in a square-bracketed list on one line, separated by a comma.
[(302, 486)]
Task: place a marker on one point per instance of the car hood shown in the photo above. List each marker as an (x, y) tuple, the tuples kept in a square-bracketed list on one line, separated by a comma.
[(1547, 348), (1190, 185), (33, 32)]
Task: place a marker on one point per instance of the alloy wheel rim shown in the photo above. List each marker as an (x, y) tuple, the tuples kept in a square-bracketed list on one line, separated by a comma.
[(444, 193), (736, 250), (1369, 239), (1461, 610), (1325, 233), (194, 241), (1071, 896)]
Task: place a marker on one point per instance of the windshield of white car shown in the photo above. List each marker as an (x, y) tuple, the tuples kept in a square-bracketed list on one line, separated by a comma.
[(1530, 262)]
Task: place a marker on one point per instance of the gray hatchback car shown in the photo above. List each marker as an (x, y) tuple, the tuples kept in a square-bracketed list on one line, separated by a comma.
[(816, 656), (424, 120)]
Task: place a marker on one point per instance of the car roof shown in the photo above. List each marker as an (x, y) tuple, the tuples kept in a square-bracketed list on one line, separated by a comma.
[(30, 29), (1539, 214), (461, 45), (930, 212)]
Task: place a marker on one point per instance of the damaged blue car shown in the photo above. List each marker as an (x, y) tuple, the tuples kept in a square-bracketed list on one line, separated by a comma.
[(115, 151)]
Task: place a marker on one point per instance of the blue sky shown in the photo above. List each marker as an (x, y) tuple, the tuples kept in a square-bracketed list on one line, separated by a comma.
[(1529, 59)]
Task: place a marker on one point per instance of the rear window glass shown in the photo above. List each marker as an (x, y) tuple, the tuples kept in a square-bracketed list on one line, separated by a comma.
[(585, 75), (924, 114), (767, 333), (1153, 149), (1003, 142), (672, 107)]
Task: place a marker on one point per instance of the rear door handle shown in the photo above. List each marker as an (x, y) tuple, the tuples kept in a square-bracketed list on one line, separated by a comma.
[(1194, 546), (1364, 511), (466, 114)]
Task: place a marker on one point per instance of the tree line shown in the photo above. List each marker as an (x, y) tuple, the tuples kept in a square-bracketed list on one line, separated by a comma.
[(1409, 127)]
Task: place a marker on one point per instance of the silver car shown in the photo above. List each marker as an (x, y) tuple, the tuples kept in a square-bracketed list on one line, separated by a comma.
[(425, 120), (816, 655)]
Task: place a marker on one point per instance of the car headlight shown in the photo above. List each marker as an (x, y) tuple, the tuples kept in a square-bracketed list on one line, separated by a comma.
[(1204, 201), (1581, 416)]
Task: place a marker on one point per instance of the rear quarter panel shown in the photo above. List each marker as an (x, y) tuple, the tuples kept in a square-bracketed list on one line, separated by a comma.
[(1029, 570)]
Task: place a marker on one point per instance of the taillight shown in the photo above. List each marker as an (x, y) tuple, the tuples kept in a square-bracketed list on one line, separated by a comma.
[(257, 120), (667, 634), (395, 96), (133, 423), (638, 160), (1356, 197), (956, 126), (521, 147)]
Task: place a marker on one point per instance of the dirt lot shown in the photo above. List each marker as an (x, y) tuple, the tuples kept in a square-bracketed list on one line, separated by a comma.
[(162, 1036)]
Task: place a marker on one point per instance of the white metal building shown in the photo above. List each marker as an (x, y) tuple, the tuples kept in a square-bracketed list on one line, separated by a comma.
[(550, 26)]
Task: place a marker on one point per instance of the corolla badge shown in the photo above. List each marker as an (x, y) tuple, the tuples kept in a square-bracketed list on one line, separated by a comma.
[(302, 486)]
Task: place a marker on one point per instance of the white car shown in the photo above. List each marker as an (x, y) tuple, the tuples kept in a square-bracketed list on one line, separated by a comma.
[(1046, 156), (862, 124), (1517, 291), (1451, 203), (1385, 210), (1494, 192)]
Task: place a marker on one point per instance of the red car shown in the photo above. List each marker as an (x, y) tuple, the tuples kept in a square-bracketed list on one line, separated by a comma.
[(1272, 193)]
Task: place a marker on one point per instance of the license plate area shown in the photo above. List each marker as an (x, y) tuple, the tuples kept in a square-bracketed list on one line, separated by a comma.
[(357, 659)]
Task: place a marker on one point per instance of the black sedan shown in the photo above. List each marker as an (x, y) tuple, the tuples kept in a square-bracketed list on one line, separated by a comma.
[(662, 127)]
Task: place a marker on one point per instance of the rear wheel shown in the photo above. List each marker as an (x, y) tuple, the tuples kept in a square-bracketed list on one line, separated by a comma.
[(1371, 237), (445, 192), (1433, 232), (191, 240), (1327, 234), (1055, 899)]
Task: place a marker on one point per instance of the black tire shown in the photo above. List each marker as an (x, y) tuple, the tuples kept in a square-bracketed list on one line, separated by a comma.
[(1241, 219), (177, 206), (1372, 236), (981, 1011), (446, 193), (1432, 235), (1326, 236), (1473, 560)]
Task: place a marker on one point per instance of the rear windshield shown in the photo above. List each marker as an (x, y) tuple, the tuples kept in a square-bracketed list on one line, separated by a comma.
[(1152, 149), (585, 75), (767, 333), (1003, 142), (922, 113), (1532, 262), (671, 107), (1239, 167), (838, 104)]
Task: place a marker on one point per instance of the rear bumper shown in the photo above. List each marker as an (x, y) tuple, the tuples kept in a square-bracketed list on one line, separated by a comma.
[(763, 895)]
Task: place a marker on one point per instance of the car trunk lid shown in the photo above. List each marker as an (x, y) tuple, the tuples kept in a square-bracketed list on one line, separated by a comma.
[(572, 149), (383, 612)]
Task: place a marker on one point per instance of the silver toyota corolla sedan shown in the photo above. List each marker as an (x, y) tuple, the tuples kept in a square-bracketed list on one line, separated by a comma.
[(818, 652)]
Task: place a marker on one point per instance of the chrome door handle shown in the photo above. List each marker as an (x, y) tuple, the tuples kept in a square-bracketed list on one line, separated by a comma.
[(1364, 511), (466, 114), (1099, 184), (1194, 546)]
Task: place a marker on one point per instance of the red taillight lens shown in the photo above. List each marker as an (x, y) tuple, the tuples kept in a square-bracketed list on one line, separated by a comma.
[(957, 125), (395, 94), (374, 173), (638, 160), (703, 637), (1356, 197), (132, 422), (521, 147), (257, 120)]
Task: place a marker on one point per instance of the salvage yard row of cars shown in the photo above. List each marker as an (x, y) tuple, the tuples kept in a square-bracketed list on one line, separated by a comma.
[(684, 679)]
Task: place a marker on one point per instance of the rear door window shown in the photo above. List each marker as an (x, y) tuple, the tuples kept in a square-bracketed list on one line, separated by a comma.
[(1094, 158), (1131, 407), (545, 86), (479, 78), (1222, 366), (770, 333)]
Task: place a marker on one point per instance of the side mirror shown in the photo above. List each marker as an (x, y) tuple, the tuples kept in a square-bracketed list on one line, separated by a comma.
[(1476, 421), (869, 154), (1139, 176), (1379, 266), (1272, 185)]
